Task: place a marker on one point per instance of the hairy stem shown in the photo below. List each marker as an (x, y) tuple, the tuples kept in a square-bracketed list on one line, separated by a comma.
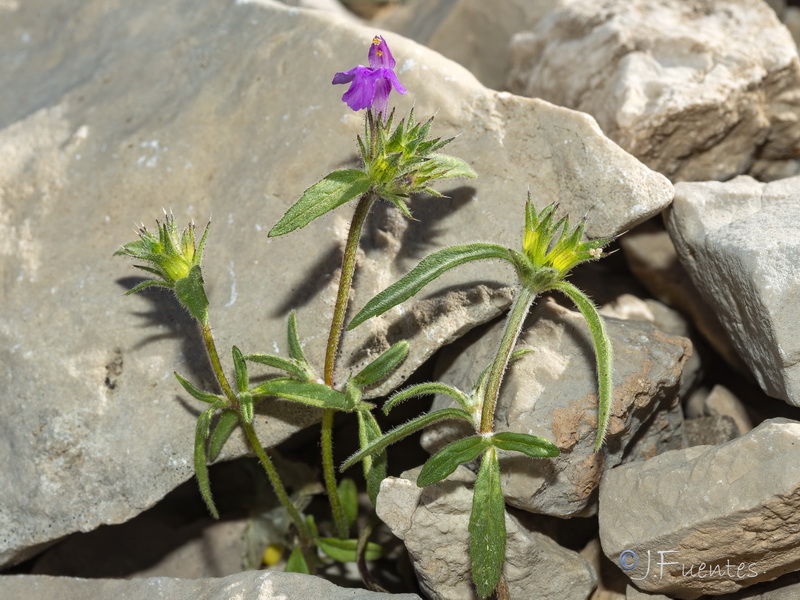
[(213, 356), (516, 317), (337, 326), (280, 492)]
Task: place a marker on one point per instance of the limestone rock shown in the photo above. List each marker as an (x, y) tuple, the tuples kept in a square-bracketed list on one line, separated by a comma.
[(719, 401), (474, 33), (264, 585), (710, 431), (433, 521), (696, 89), (719, 518), (740, 244), (551, 393), (225, 109)]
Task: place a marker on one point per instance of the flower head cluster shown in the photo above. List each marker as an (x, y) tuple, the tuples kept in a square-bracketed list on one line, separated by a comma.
[(370, 86), (550, 249), (174, 259)]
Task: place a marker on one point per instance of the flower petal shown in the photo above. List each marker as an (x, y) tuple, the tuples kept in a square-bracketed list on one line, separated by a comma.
[(380, 57), (362, 90), (381, 100), (346, 76), (392, 78)]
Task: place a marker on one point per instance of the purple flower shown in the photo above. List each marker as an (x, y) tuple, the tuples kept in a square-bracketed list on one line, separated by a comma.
[(371, 85)]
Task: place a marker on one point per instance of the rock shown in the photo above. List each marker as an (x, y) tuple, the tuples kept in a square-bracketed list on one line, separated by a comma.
[(697, 90), (146, 105), (610, 582), (264, 585), (708, 519), (552, 393), (783, 588), (710, 431), (474, 33), (720, 401), (433, 524), (740, 245), (633, 594), (652, 257)]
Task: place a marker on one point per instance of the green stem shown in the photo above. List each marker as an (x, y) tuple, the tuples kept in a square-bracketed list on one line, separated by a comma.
[(346, 283), (337, 326), (211, 348), (280, 491), (514, 321)]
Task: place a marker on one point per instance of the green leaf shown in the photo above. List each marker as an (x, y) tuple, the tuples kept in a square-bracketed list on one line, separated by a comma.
[(487, 527), (446, 460), (200, 465), (345, 550), (426, 271), (425, 389), (532, 445), (305, 392), (603, 351), (349, 496), (406, 429), (297, 562), (240, 367), (195, 393), (191, 294), (333, 190), (228, 420), (148, 283), (276, 362), (246, 406), (454, 167), (295, 349), (375, 465), (383, 365)]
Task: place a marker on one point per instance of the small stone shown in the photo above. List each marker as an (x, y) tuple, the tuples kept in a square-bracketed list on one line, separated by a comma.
[(433, 522), (710, 431), (719, 401), (707, 519), (696, 89), (740, 243)]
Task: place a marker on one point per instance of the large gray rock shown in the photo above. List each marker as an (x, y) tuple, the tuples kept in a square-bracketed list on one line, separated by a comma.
[(707, 519), (740, 243), (225, 109), (261, 585), (552, 393), (433, 522), (474, 33), (696, 89)]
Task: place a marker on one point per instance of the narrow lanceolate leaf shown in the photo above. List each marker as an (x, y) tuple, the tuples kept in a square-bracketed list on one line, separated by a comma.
[(603, 351), (375, 465), (334, 190), (406, 429), (297, 562), (200, 466), (446, 460), (349, 496), (246, 406), (195, 393), (487, 527), (305, 392), (228, 420), (425, 389), (345, 550), (452, 166), (240, 367), (295, 349), (532, 445), (276, 362), (383, 365), (426, 271)]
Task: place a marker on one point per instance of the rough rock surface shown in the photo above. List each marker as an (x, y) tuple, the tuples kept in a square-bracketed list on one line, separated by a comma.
[(710, 431), (740, 243), (719, 401), (474, 33), (552, 393), (223, 109), (261, 585), (433, 521), (719, 518), (696, 89)]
